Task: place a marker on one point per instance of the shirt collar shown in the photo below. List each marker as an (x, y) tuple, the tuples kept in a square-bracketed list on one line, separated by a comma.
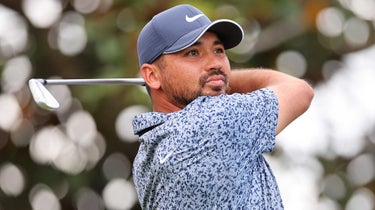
[(146, 121)]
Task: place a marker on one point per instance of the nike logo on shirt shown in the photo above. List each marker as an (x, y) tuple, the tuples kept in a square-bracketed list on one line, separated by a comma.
[(163, 160), (194, 18)]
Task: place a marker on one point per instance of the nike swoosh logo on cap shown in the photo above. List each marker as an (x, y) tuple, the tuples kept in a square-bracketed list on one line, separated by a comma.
[(194, 18)]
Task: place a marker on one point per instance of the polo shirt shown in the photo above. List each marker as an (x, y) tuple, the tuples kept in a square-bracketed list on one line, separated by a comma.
[(209, 155)]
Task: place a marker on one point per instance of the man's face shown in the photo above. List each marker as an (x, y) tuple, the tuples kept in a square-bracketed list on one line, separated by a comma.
[(201, 69)]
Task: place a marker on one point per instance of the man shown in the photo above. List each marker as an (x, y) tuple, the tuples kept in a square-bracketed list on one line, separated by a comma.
[(202, 146)]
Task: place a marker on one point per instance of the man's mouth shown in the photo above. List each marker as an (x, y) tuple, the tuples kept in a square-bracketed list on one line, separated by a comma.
[(216, 80)]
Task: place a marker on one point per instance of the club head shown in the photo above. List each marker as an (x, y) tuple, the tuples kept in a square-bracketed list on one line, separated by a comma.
[(42, 96)]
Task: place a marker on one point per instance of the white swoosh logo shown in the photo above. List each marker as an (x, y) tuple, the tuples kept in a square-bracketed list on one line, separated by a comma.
[(163, 160), (192, 19)]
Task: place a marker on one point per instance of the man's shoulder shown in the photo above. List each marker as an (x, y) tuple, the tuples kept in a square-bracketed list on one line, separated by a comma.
[(231, 100)]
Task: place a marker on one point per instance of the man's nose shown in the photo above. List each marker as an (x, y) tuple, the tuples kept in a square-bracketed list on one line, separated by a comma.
[(213, 62)]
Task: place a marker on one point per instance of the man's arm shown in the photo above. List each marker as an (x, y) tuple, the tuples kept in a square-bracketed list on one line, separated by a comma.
[(294, 95)]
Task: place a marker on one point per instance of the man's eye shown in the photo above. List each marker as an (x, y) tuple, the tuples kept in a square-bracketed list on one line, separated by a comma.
[(192, 52), (219, 50)]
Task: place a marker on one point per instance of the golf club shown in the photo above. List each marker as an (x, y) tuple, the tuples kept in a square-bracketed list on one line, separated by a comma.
[(45, 99)]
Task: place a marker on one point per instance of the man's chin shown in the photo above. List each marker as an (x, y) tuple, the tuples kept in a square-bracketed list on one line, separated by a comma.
[(215, 91)]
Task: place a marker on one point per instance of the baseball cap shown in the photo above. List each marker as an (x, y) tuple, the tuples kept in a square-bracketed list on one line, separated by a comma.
[(178, 28)]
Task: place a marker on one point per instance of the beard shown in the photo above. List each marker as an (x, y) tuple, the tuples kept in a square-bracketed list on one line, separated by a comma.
[(183, 97)]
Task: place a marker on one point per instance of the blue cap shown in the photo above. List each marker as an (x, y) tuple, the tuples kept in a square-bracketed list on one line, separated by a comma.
[(178, 28)]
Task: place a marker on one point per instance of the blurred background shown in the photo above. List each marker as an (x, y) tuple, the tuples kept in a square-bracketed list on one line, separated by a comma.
[(80, 156)]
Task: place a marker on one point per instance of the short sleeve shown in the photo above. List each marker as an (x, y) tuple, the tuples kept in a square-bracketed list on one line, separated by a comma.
[(254, 117), (259, 110)]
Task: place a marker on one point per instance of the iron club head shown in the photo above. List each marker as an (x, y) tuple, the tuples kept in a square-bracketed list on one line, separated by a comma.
[(41, 95)]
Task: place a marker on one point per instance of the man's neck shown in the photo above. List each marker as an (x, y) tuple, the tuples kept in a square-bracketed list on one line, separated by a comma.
[(160, 103)]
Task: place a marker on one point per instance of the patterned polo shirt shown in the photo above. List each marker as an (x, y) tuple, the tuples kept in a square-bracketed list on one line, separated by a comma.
[(209, 154)]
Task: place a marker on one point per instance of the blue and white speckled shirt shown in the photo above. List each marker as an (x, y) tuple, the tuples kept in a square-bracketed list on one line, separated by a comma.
[(209, 154)]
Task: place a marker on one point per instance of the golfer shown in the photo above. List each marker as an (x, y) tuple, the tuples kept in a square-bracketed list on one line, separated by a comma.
[(202, 146)]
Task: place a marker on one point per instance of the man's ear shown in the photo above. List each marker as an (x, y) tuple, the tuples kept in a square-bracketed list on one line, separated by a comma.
[(151, 75)]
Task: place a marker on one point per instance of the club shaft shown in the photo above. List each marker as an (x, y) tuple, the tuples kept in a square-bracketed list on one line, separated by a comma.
[(124, 81)]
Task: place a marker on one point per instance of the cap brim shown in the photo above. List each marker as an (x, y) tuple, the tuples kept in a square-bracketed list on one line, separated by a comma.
[(228, 31)]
